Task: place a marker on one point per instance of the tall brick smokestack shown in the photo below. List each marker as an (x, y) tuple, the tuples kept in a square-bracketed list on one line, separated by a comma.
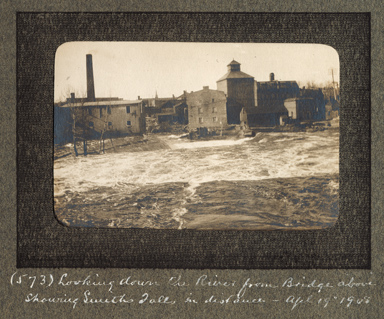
[(90, 81)]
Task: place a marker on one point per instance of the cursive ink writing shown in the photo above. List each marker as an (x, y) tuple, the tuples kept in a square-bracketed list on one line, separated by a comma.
[(352, 283), (129, 282), (36, 298), (161, 300), (247, 284), (204, 281), (114, 300), (290, 282), (84, 282)]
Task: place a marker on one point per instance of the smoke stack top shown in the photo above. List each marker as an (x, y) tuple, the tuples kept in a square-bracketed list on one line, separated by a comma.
[(90, 82)]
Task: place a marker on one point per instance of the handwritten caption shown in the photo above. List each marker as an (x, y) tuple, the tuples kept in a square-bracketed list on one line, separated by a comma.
[(204, 289)]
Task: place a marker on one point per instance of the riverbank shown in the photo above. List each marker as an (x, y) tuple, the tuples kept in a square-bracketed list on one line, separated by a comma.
[(154, 141), (136, 143)]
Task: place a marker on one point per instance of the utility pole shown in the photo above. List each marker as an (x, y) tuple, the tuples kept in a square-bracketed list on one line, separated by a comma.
[(333, 83), (74, 133)]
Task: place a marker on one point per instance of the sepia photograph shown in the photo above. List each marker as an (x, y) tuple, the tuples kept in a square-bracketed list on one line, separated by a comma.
[(205, 136), (188, 160)]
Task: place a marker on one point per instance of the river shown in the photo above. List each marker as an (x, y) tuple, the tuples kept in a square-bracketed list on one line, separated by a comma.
[(270, 181)]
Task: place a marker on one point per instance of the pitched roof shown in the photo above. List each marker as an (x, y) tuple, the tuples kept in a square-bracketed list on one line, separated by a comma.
[(235, 75), (102, 103), (234, 72), (233, 62), (277, 84)]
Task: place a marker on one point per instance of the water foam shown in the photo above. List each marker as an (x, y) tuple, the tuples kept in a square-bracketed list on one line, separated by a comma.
[(196, 162), (210, 143)]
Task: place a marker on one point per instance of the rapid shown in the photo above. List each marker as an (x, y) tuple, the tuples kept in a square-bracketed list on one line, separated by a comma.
[(270, 181)]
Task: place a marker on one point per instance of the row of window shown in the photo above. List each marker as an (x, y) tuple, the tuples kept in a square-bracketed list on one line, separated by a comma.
[(266, 96), (214, 110), (201, 120), (92, 125), (109, 111)]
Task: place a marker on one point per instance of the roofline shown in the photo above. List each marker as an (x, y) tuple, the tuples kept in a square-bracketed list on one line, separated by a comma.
[(205, 90), (103, 103), (226, 76), (231, 63), (277, 81)]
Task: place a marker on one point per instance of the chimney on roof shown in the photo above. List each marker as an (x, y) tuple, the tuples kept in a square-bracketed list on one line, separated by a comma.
[(206, 88), (90, 81), (272, 77), (138, 97), (72, 98)]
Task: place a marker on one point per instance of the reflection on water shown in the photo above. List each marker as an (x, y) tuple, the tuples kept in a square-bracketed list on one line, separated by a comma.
[(273, 180)]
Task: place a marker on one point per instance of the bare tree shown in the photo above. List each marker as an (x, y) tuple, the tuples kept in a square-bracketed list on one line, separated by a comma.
[(81, 117), (312, 85)]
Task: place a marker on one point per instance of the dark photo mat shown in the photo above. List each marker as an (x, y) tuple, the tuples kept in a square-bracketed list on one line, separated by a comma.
[(43, 242)]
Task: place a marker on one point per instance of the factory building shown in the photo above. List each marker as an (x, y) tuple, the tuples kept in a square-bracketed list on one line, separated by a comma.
[(112, 117), (301, 109), (317, 98), (171, 110), (94, 117), (269, 102), (239, 90), (270, 95), (206, 108), (276, 101), (239, 99), (263, 103)]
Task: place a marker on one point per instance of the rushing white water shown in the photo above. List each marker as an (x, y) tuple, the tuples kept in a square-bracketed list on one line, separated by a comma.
[(268, 155), (194, 163)]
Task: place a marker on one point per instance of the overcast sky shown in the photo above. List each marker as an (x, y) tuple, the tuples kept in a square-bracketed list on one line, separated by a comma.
[(131, 69)]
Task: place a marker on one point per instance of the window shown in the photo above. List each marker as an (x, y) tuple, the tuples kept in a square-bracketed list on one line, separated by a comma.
[(213, 100), (200, 110), (128, 109), (200, 120), (108, 109), (91, 125), (214, 109), (128, 123), (89, 111), (215, 119), (101, 112), (109, 124)]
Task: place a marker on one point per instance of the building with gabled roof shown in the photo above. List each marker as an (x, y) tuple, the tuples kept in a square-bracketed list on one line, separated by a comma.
[(269, 101), (111, 117), (207, 108), (239, 90), (93, 117)]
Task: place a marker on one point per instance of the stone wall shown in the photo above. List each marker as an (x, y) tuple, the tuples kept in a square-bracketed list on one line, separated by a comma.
[(207, 108)]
